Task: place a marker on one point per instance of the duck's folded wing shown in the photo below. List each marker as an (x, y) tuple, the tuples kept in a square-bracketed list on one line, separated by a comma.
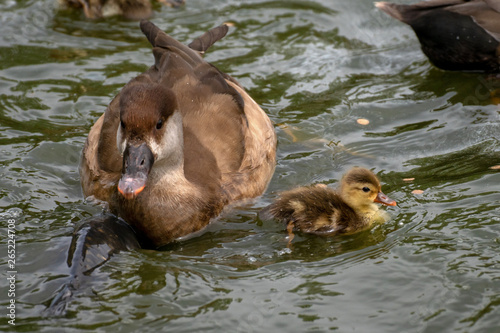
[(257, 165)]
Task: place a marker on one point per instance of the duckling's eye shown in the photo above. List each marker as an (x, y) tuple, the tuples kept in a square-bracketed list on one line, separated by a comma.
[(159, 124), (366, 189), (122, 124)]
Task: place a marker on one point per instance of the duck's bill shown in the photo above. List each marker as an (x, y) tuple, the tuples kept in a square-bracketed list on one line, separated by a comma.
[(384, 199), (130, 187), (137, 163)]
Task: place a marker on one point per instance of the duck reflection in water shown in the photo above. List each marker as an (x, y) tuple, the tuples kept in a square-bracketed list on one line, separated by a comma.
[(93, 243)]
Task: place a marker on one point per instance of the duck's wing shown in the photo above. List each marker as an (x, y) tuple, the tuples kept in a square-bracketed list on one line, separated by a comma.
[(101, 162), (259, 159)]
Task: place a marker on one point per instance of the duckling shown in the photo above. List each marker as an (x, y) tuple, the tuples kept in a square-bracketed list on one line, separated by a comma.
[(178, 143), (130, 9), (457, 35), (323, 211)]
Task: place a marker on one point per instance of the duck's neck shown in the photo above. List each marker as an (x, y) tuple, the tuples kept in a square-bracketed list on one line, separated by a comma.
[(371, 213), (169, 174), (367, 212), (168, 169)]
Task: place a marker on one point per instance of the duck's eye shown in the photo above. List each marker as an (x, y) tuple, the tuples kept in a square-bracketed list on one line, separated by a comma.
[(122, 124), (159, 124), (366, 189)]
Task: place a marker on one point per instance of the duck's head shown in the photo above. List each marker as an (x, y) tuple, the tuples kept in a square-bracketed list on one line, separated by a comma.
[(360, 188), (149, 133)]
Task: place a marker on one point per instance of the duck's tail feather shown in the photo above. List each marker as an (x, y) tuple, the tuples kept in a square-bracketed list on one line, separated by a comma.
[(205, 41), (165, 45), (391, 9), (159, 39)]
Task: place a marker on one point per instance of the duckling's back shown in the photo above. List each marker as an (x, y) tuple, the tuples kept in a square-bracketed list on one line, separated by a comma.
[(315, 209)]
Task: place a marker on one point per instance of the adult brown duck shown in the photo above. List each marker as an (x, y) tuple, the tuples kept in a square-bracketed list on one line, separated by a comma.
[(454, 34), (323, 211), (178, 143), (130, 9)]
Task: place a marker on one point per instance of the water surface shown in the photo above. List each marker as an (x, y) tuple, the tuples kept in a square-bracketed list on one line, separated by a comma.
[(315, 67)]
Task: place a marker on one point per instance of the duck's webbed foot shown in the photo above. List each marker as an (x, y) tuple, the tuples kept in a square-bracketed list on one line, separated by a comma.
[(291, 235)]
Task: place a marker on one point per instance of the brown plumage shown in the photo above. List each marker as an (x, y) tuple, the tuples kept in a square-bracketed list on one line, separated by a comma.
[(130, 9), (454, 34), (323, 211), (178, 143)]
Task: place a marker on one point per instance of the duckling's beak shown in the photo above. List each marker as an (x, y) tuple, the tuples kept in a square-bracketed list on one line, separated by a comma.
[(137, 163), (384, 199)]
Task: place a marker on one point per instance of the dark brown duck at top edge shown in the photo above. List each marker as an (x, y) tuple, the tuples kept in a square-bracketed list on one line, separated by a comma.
[(455, 35), (130, 9), (323, 211), (178, 143)]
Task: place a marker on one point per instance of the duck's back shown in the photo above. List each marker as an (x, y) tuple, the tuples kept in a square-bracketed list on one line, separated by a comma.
[(315, 210)]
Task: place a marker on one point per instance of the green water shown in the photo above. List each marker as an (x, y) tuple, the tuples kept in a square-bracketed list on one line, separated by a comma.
[(315, 67)]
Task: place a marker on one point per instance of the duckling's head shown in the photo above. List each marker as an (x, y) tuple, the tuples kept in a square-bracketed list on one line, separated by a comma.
[(150, 132), (360, 188)]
